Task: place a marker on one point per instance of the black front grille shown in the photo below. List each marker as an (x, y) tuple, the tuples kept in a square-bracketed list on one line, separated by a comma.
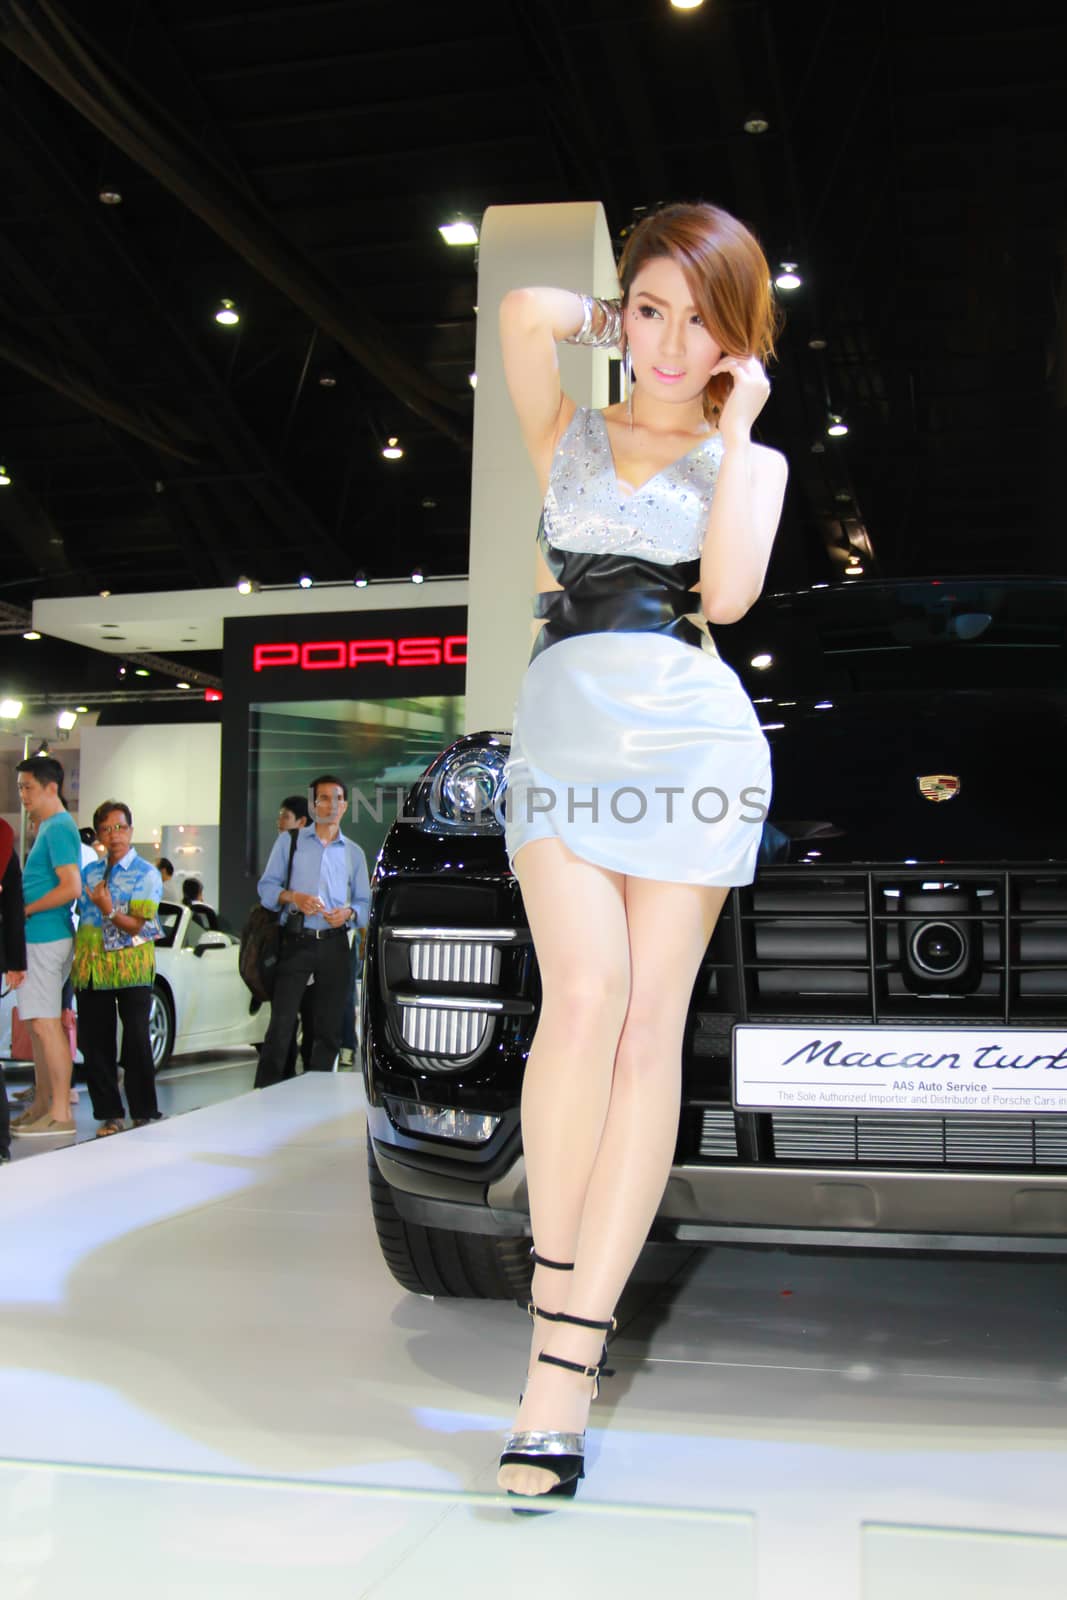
[(917, 1139), (846, 945), (832, 945)]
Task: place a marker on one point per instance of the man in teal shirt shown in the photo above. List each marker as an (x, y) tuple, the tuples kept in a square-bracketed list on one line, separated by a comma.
[(51, 881)]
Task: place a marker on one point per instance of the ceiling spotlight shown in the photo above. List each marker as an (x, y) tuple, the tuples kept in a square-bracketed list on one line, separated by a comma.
[(837, 427), (391, 450), (227, 314), (10, 708), (5, 478), (110, 197), (105, 594), (31, 633), (327, 380), (305, 580), (686, 5), (360, 580), (854, 571), (121, 673), (755, 124), (141, 672), (428, 504), (66, 720), (842, 496), (823, 705), (816, 343), (788, 277), (472, 379), (183, 685), (81, 710), (247, 585), (458, 232), (416, 576), (761, 662)]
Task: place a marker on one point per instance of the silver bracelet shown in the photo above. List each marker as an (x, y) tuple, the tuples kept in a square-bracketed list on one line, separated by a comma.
[(611, 329)]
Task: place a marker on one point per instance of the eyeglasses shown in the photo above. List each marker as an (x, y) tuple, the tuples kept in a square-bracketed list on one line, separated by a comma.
[(113, 827)]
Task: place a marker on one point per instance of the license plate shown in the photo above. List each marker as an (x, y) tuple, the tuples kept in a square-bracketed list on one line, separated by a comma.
[(821, 1067)]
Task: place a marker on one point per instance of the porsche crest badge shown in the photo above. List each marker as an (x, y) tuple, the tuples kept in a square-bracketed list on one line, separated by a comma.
[(939, 786)]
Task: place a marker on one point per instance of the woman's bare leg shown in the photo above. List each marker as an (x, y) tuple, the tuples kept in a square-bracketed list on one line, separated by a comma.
[(669, 926), (577, 916)]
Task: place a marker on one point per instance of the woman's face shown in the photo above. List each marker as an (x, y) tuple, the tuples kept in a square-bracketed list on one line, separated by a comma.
[(671, 350)]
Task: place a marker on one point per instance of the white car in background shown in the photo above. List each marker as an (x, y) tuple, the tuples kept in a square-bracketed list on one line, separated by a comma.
[(200, 1001)]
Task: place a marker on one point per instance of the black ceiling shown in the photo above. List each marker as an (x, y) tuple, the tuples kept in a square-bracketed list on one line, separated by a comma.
[(299, 157)]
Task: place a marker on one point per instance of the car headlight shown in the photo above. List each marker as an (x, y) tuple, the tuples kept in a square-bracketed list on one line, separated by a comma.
[(467, 790), (442, 1122)]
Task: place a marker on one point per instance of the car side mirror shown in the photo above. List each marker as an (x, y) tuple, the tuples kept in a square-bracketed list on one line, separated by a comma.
[(211, 941)]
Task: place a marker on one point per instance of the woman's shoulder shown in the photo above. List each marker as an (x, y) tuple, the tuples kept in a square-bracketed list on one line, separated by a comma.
[(769, 460)]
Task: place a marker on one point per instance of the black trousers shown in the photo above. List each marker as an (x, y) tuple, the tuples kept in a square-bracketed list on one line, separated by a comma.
[(328, 960), (98, 1044)]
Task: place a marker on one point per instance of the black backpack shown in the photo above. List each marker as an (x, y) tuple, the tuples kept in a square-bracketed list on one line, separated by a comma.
[(261, 940)]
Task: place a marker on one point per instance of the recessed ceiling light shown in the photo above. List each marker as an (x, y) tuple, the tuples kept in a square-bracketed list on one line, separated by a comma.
[(788, 276), (182, 684), (392, 449), (5, 478), (360, 580), (327, 380), (761, 662), (227, 314), (31, 634), (141, 672), (417, 575), (81, 710), (756, 124), (305, 580), (105, 594), (459, 232), (110, 197), (816, 343)]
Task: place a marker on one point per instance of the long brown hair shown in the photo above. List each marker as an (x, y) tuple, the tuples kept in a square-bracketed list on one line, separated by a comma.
[(727, 274)]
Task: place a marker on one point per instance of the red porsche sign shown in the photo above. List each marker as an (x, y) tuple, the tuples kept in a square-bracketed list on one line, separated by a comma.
[(333, 655)]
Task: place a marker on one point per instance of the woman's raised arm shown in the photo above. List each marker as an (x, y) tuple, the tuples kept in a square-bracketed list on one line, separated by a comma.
[(532, 323)]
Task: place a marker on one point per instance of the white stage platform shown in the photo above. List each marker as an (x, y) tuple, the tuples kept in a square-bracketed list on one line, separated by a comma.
[(211, 1386)]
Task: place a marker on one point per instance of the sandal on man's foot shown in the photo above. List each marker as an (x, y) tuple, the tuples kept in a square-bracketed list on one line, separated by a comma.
[(106, 1129)]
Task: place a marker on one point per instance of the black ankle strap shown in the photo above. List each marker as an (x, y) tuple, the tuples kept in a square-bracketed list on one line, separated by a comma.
[(581, 1322), (557, 1266)]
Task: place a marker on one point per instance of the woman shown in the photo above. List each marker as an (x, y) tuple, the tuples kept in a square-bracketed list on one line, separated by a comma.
[(638, 775)]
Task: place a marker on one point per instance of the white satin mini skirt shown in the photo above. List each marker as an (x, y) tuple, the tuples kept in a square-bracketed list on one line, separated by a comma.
[(644, 755)]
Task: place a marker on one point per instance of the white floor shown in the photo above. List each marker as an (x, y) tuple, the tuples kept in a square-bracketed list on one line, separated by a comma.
[(212, 1387)]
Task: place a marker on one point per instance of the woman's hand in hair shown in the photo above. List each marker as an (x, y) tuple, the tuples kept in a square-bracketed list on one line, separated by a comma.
[(746, 399)]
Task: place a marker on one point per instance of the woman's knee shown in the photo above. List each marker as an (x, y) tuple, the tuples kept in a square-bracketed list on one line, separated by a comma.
[(650, 1041), (588, 1001)]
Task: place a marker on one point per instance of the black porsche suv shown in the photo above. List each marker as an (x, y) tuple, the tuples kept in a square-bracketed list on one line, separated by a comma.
[(877, 1037)]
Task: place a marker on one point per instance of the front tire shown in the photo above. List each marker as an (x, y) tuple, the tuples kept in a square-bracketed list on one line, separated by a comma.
[(441, 1262), (161, 1026)]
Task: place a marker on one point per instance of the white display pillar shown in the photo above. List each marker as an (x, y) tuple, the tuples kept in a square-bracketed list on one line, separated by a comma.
[(565, 246)]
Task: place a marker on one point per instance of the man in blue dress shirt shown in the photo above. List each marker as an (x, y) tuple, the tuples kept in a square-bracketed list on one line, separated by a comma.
[(328, 896)]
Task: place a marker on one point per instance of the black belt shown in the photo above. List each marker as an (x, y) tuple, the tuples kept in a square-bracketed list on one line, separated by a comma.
[(568, 612), (315, 933)]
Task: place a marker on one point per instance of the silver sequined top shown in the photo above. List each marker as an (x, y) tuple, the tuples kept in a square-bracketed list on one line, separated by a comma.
[(585, 509)]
